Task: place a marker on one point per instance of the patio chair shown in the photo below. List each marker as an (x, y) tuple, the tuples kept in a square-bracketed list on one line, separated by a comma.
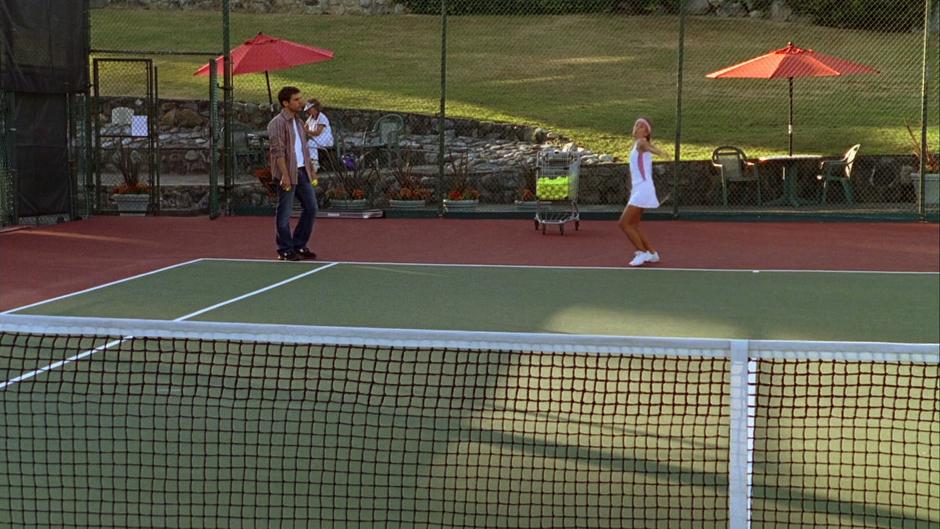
[(249, 152), (733, 167), (385, 135), (839, 171)]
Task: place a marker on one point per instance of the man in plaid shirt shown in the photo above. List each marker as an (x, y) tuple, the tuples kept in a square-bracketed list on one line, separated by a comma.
[(291, 167)]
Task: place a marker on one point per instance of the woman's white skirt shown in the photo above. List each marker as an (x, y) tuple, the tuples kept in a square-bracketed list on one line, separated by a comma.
[(643, 195)]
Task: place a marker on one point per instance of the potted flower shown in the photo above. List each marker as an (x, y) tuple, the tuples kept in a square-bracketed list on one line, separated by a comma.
[(354, 176), (271, 186), (132, 196), (409, 197), (525, 196), (408, 194), (461, 195), (263, 174), (932, 175), (341, 198)]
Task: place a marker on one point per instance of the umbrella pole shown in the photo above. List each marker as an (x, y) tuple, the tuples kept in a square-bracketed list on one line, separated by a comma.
[(271, 101), (790, 122)]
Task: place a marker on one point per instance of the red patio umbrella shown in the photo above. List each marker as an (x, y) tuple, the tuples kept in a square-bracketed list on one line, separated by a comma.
[(264, 53), (788, 63)]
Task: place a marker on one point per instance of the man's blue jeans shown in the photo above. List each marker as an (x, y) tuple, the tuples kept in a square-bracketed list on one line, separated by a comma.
[(286, 242)]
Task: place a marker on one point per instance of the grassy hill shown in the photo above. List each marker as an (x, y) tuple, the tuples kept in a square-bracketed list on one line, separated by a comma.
[(586, 77)]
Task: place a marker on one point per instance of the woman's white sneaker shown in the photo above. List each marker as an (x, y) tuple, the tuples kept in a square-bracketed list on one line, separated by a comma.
[(652, 257), (638, 258)]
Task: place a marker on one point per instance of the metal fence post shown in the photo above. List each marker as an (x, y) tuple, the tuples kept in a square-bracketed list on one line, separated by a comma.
[(88, 146), (922, 183), (228, 94), (213, 141), (439, 191), (678, 147), (153, 133)]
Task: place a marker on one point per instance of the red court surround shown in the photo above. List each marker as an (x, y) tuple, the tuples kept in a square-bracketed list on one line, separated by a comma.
[(43, 262)]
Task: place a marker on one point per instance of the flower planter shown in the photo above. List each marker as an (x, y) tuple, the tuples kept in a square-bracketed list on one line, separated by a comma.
[(406, 204), (528, 205), (358, 203), (460, 205), (931, 188), (132, 204)]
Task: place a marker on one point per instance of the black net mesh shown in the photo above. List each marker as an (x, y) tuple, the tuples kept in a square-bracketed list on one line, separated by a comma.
[(43, 174), (180, 433), (8, 213), (846, 444), (117, 431), (42, 46)]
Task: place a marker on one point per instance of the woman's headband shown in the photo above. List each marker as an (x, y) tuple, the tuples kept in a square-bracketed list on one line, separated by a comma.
[(647, 123)]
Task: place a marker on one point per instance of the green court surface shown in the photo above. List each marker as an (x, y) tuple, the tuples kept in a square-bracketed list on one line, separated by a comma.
[(765, 305), (194, 433)]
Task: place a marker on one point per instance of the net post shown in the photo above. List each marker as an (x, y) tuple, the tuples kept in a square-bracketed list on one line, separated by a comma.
[(739, 501)]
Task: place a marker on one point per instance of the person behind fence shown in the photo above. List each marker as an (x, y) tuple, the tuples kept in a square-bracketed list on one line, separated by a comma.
[(319, 133), (642, 192), (292, 168)]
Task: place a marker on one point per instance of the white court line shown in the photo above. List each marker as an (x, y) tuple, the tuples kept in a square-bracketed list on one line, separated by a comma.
[(60, 363), (114, 343), (624, 267), (256, 292), (112, 283)]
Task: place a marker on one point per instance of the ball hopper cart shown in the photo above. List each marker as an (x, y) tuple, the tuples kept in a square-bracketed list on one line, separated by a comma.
[(556, 189)]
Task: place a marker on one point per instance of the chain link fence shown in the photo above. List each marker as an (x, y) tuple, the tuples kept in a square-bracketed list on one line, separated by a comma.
[(125, 151), (524, 79), (174, 158), (830, 112)]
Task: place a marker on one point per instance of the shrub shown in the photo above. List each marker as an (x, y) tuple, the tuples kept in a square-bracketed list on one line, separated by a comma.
[(874, 15), (517, 7)]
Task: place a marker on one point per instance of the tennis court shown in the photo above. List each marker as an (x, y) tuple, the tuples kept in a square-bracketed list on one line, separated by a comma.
[(725, 304), (246, 393)]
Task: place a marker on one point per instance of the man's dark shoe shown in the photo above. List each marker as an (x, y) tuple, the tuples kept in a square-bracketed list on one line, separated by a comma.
[(306, 254), (288, 256)]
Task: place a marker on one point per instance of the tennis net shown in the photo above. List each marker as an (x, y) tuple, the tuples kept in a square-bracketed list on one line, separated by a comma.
[(138, 423)]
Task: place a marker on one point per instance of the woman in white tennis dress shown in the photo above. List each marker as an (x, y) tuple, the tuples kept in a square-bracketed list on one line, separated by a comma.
[(642, 192)]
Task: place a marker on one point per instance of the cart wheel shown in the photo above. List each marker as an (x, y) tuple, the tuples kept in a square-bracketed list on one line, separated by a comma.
[(561, 229), (577, 225)]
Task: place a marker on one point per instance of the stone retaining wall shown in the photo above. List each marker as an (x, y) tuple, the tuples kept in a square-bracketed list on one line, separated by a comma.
[(174, 115), (499, 153), (184, 128)]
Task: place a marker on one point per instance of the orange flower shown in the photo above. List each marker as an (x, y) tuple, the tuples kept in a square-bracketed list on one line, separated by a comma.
[(130, 189), (471, 194)]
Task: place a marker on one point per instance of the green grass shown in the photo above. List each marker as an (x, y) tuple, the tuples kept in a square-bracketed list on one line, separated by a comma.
[(586, 77)]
